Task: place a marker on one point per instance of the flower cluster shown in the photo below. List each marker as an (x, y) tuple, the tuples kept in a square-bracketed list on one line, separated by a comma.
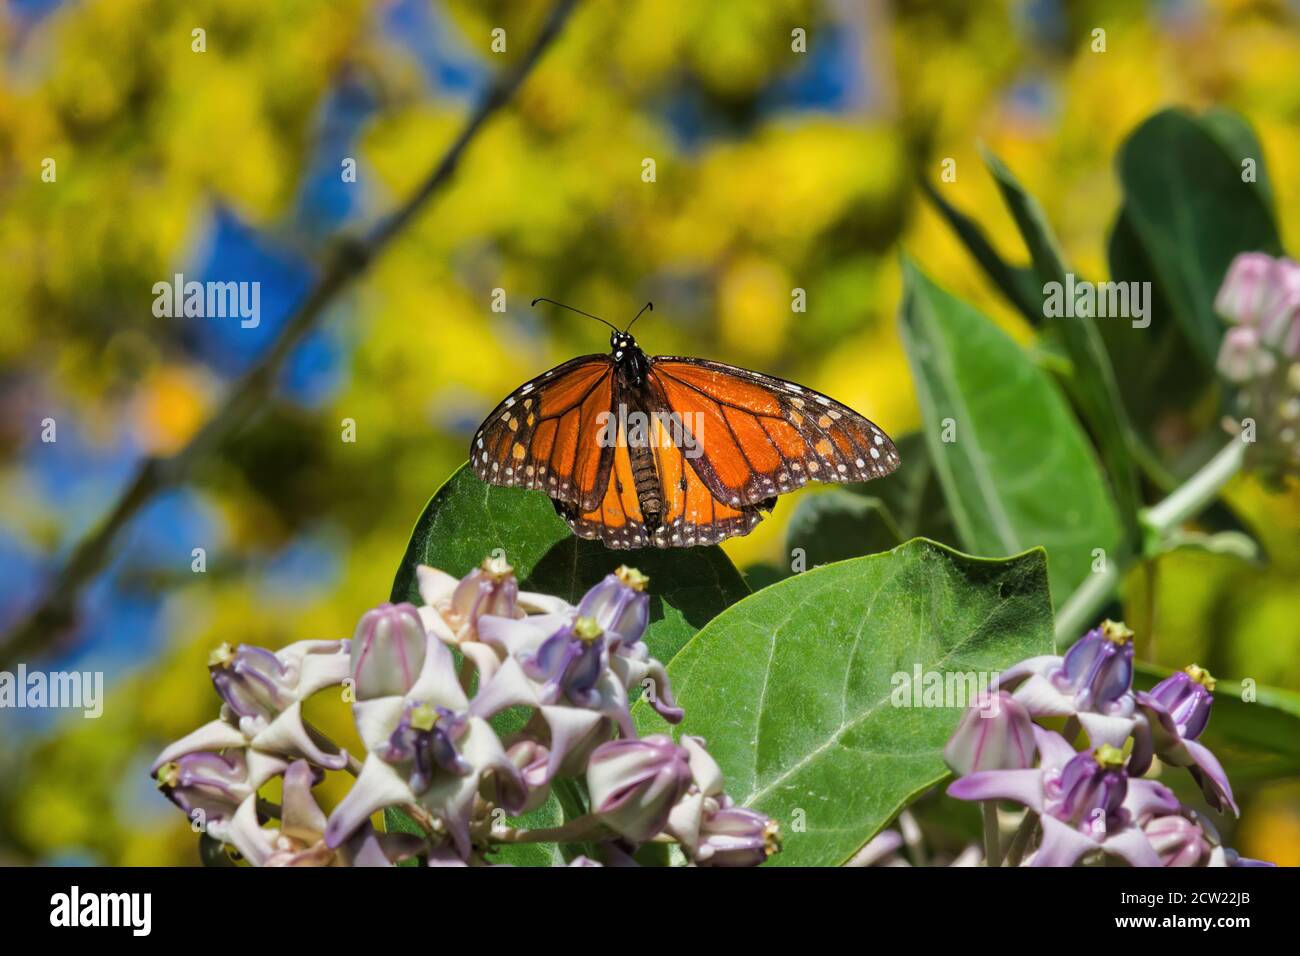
[(1094, 802), (1260, 354), (430, 687)]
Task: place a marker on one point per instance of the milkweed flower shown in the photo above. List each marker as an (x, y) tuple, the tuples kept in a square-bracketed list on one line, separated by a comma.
[(1086, 802), (426, 748), (262, 694), (1092, 682), (737, 836), (210, 787), (1177, 840), (426, 683), (387, 651), (634, 784), (299, 838), (1260, 355), (995, 733), (1173, 715), (1095, 801)]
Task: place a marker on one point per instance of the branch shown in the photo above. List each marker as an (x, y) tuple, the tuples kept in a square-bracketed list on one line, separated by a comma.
[(349, 259)]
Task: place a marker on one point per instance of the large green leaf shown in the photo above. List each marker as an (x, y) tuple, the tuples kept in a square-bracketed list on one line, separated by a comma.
[(467, 519), (1188, 206), (913, 495), (837, 524), (1091, 383), (1021, 286), (1019, 472), (792, 687)]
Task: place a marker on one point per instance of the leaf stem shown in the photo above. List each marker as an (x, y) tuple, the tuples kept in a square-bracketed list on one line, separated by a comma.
[(1159, 521), (1198, 491), (584, 829), (1020, 840), (992, 849)]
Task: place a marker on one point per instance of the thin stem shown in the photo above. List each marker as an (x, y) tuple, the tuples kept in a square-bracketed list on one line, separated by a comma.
[(992, 849), (1189, 498), (586, 828), (1020, 839), (55, 612), (1080, 608), (912, 838), (1079, 611)]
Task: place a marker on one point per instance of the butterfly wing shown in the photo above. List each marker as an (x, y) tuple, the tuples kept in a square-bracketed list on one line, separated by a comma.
[(760, 436), (545, 435), (691, 514)]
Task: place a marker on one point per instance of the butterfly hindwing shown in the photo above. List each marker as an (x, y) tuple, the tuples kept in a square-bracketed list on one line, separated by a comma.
[(691, 515), (545, 435)]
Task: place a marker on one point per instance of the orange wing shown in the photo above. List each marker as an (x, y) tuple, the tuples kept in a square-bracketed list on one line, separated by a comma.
[(546, 435), (760, 436), (692, 516)]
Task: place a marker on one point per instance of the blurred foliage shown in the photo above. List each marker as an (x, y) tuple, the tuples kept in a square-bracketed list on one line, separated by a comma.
[(775, 170)]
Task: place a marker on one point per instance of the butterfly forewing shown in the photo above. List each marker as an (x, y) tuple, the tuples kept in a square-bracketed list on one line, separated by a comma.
[(545, 435), (763, 436)]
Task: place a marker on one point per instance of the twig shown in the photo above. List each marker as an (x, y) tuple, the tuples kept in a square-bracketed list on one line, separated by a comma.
[(350, 258)]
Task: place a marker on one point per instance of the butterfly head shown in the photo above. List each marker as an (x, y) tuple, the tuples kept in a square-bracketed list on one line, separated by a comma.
[(622, 343)]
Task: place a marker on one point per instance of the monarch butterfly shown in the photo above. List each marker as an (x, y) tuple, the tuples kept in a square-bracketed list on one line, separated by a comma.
[(669, 451)]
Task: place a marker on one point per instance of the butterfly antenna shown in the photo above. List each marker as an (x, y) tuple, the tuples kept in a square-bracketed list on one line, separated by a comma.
[(542, 298), (648, 306)]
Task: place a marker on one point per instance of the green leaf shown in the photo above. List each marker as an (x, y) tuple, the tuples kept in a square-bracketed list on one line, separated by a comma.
[(794, 688), (1019, 472), (837, 524), (1020, 285), (1239, 141), (913, 495), (1152, 365), (1184, 196), (866, 517), (1092, 384), (1256, 740), (467, 519)]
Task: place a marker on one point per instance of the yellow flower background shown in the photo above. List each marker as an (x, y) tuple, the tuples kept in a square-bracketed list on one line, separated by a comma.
[(774, 170)]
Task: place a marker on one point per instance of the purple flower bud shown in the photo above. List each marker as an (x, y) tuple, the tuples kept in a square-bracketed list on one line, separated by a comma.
[(1245, 287), (635, 783), (1177, 840), (996, 733), (1098, 669), (426, 740), (1242, 356), (489, 589), (210, 783), (737, 836), (1088, 791), (1186, 697), (251, 680), (257, 685), (387, 651), (619, 604), (569, 663)]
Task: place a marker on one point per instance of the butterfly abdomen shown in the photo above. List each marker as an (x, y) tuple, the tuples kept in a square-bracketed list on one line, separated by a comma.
[(646, 477)]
